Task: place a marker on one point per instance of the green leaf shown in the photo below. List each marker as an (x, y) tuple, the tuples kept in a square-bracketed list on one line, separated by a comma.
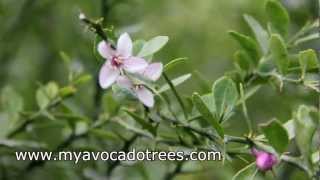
[(64, 56), (21, 144), (45, 94), (135, 129), (142, 122), (310, 37), (305, 129), (11, 102), (247, 173), (67, 91), (83, 79), (174, 63), (209, 102), (279, 53), (278, 16), (203, 84), (277, 135), (106, 135), (248, 44), (289, 126), (153, 45), (52, 90), (308, 61), (137, 46), (225, 96), (260, 33), (121, 93), (206, 114), (242, 60), (177, 81)]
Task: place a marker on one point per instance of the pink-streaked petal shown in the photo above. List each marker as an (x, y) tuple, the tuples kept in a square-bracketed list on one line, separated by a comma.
[(108, 75), (124, 45), (145, 96), (153, 71), (105, 50), (134, 64), (124, 82)]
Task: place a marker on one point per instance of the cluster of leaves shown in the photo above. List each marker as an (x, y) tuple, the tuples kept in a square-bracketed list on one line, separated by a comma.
[(268, 58)]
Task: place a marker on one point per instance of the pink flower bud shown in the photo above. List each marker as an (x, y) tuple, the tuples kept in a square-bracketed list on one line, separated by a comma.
[(264, 160)]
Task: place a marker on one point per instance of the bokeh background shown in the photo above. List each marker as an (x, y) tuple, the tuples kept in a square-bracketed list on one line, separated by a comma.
[(33, 32)]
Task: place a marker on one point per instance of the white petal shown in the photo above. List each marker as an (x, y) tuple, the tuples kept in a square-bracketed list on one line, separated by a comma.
[(105, 50), (124, 46), (134, 64), (124, 82), (153, 71), (108, 75), (145, 96)]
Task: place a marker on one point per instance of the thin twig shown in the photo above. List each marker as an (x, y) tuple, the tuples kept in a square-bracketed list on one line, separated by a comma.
[(176, 94)]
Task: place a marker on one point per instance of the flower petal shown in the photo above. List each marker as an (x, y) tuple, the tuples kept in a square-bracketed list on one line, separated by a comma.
[(124, 82), (153, 71), (108, 75), (145, 96), (105, 50), (134, 64), (124, 46)]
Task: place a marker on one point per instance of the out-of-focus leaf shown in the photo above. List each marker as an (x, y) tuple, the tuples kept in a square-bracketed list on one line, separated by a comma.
[(246, 173), (64, 56), (307, 38), (266, 66), (137, 46), (248, 44), (107, 135), (67, 91), (305, 128), (315, 157), (209, 102), (260, 33), (308, 60), (83, 79), (109, 104), (277, 135), (11, 102), (46, 93), (135, 129), (153, 45), (278, 16), (204, 84), (279, 53), (312, 81), (174, 63), (122, 93), (206, 114), (142, 122), (289, 126), (21, 144), (242, 60), (177, 81), (225, 96)]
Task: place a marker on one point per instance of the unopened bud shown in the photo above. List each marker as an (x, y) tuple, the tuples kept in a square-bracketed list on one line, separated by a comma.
[(264, 160)]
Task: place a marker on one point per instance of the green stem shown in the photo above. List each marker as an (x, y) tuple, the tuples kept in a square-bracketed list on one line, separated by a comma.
[(176, 94), (245, 111)]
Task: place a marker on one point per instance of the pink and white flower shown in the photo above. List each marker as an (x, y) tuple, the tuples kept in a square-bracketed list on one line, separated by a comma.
[(152, 72), (118, 60), (140, 91)]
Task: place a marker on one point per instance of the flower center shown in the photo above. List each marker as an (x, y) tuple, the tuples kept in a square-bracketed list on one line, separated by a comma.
[(116, 61)]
